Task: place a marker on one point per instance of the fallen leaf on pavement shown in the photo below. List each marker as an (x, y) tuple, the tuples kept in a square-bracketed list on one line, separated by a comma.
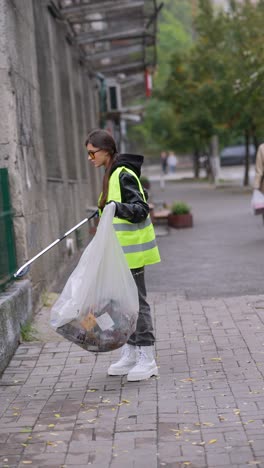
[(189, 379), (221, 418), (212, 441)]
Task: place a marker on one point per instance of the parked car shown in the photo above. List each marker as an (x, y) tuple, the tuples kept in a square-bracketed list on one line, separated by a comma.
[(235, 155)]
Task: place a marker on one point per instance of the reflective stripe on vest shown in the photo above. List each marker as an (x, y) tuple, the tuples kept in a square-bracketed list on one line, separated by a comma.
[(132, 227), (137, 239), (139, 247)]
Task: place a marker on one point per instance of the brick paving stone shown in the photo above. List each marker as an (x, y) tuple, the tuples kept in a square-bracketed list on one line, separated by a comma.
[(205, 408), (9, 461)]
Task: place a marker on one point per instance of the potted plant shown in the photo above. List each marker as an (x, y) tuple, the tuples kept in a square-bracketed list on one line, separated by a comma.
[(180, 215)]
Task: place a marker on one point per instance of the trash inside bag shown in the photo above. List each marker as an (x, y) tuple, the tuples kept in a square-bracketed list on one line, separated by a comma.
[(102, 329), (98, 307), (257, 202)]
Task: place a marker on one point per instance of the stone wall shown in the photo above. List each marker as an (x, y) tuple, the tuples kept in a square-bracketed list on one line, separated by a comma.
[(15, 310), (48, 104), (48, 99)]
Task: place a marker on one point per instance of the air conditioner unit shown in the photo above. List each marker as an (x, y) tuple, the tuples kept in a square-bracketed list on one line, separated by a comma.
[(113, 96)]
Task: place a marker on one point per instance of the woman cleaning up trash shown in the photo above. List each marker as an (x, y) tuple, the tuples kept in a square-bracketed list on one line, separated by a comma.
[(136, 236)]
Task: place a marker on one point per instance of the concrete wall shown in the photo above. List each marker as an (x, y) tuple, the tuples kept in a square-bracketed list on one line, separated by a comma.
[(48, 104), (16, 309)]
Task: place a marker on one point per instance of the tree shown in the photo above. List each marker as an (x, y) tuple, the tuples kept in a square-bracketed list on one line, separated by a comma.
[(217, 87), (158, 130)]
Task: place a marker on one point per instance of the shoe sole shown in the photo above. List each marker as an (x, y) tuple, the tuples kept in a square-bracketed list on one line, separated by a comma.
[(137, 377), (120, 372)]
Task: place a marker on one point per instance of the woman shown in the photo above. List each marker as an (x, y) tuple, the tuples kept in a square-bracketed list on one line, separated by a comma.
[(136, 235), (259, 175)]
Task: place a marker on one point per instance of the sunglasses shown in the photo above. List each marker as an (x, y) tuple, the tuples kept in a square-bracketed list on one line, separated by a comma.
[(92, 153)]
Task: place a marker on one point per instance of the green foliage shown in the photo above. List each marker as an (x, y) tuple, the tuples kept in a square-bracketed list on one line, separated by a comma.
[(217, 87), (209, 81), (179, 207), (27, 332), (174, 35), (159, 130)]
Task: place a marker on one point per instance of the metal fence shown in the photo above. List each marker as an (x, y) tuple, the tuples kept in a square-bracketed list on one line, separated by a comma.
[(8, 262)]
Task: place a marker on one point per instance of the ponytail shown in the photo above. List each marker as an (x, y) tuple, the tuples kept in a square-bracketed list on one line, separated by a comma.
[(106, 178)]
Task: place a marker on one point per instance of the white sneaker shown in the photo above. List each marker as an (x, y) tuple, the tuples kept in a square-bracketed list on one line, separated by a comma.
[(126, 362), (146, 365)]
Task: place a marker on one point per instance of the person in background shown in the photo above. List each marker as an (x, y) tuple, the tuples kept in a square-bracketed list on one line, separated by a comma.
[(259, 172), (259, 168), (172, 162), (135, 233), (163, 161)]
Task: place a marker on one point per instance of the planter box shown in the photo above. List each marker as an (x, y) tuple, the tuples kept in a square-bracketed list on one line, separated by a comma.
[(180, 220)]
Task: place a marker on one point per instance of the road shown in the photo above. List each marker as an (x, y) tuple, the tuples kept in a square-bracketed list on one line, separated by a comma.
[(222, 255), (233, 174)]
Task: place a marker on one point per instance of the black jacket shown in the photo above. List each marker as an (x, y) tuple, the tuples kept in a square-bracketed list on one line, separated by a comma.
[(132, 207)]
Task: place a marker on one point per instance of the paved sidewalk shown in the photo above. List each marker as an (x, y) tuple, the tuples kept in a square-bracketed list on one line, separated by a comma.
[(206, 409)]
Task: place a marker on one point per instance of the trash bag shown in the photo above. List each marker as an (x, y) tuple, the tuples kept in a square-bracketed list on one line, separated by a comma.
[(98, 307), (257, 202)]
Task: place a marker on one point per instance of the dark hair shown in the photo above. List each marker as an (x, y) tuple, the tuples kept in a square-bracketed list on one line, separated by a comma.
[(102, 139)]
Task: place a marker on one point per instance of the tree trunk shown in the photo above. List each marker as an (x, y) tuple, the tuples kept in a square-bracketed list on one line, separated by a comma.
[(214, 158), (246, 174), (255, 140), (196, 165)]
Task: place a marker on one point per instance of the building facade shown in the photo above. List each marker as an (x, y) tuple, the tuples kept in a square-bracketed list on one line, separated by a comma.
[(63, 66)]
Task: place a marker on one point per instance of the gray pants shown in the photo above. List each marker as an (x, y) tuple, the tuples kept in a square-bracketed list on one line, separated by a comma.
[(143, 336)]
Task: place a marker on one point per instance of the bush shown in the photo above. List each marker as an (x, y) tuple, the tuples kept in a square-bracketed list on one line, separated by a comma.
[(180, 208)]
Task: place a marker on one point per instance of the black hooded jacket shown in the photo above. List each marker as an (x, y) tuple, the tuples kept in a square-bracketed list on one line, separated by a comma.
[(132, 206)]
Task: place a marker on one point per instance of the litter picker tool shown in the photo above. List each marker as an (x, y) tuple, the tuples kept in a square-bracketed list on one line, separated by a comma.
[(22, 271)]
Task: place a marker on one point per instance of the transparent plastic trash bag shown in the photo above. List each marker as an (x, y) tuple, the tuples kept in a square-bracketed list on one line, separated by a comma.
[(98, 307), (257, 202)]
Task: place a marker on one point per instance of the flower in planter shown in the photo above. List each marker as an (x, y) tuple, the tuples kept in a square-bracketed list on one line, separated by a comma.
[(180, 215)]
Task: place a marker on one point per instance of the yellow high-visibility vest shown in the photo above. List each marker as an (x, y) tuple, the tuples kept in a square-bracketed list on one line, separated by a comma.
[(137, 240)]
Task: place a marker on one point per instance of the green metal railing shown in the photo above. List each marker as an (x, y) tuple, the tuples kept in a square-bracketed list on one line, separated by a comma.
[(8, 262)]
